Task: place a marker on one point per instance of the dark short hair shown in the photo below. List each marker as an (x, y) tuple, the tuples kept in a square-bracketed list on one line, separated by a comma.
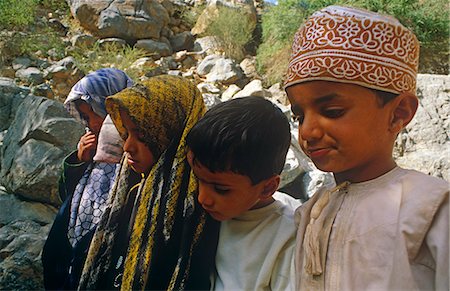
[(249, 136)]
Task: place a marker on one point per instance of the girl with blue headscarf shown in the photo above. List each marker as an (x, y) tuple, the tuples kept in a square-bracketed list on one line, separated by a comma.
[(85, 182)]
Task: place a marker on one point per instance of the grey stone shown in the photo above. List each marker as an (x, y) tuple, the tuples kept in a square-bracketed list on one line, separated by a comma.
[(160, 49), (127, 19), (182, 41), (30, 75), (33, 149)]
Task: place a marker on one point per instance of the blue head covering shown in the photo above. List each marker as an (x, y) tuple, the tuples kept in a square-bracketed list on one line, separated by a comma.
[(90, 194), (94, 88)]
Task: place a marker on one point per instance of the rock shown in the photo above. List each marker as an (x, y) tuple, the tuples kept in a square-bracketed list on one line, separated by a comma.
[(62, 76), (14, 209), (217, 68), (182, 41), (211, 99), (206, 46), (58, 26), (424, 145), (30, 75), (113, 41), (11, 96), (43, 90), (33, 149), (21, 63), (254, 88), (127, 19), (159, 49), (83, 40), (230, 92), (21, 243), (278, 94), (208, 88), (248, 66)]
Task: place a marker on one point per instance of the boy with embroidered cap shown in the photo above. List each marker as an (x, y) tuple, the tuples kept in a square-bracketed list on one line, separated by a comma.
[(351, 83)]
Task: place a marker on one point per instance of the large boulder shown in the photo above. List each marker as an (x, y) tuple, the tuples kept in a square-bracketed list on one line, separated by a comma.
[(40, 136), (127, 19)]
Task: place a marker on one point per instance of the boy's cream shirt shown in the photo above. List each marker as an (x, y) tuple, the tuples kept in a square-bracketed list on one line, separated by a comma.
[(390, 233)]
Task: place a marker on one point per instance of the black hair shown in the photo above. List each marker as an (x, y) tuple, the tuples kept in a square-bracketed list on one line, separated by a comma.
[(384, 97), (249, 136)]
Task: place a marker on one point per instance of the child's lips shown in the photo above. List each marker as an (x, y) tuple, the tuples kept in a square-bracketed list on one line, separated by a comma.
[(318, 152)]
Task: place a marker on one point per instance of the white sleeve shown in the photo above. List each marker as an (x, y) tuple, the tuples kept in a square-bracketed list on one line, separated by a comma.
[(437, 240)]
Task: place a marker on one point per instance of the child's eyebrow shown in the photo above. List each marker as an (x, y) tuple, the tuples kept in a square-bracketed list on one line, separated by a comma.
[(326, 98)]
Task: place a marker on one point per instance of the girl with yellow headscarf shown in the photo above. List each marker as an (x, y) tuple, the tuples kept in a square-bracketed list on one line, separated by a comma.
[(153, 234)]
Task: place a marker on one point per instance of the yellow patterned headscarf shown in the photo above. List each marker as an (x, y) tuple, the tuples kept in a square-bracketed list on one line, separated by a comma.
[(170, 228)]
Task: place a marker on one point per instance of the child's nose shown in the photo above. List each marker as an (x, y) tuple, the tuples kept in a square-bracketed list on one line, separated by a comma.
[(310, 129), (204, 197), (128, 145)]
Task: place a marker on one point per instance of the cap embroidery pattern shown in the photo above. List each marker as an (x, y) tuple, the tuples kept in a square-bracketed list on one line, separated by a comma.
[(350, 45)]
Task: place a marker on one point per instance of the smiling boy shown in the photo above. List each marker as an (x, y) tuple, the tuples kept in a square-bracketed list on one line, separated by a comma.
[(237, 152), (351, 84)]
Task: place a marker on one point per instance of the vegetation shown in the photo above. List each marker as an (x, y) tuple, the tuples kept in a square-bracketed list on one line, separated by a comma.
[(234, 29), (17, 13), (429, 19), (108, 55)]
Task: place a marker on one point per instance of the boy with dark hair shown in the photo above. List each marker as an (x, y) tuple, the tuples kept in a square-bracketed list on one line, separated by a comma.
[(351, 83), (237, 152)]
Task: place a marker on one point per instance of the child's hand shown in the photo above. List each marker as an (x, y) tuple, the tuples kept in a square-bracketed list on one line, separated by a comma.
[(87, 147)]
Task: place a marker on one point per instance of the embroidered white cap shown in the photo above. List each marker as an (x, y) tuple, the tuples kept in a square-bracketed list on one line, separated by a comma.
[(349, 45)]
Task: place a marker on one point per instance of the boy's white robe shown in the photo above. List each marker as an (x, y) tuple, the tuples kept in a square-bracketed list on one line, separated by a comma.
[(390, 233), (256, 249)]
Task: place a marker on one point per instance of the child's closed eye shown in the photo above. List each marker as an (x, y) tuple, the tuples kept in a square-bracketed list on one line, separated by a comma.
[(221, 189), (333, 112)]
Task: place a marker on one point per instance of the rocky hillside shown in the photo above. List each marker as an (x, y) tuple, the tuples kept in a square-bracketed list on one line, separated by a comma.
[(36, 132)]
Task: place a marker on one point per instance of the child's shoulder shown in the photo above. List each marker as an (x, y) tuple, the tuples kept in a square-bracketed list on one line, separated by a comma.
[(286, 205), (288, 201), (415, 182)]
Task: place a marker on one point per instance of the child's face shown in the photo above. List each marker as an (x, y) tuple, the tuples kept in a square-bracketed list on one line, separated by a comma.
[(226, 195), (140, 158), (343, 129), (94, 121)]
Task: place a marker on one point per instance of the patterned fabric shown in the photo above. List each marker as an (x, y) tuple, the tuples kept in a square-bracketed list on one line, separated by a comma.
[(94, 88), (91, 192), (169, 223), (89, 199), (355, 46)]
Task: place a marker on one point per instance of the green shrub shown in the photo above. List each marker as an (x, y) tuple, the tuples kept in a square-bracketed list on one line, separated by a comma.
[(17, 13), (429, 19), (54, 4), (28, 43), (234, 29), (93, 58)]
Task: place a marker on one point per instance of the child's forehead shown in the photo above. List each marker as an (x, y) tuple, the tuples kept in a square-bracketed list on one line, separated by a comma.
[(326, 91)]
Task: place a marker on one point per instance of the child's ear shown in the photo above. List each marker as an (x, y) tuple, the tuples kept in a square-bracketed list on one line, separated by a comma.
[(270, 186), (405, 106)]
